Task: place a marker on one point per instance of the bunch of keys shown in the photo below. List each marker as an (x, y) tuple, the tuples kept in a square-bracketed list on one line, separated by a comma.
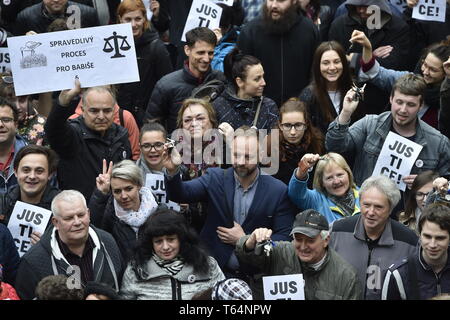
[(359, 92)]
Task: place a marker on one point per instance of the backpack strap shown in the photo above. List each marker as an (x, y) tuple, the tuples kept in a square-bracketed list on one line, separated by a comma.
[(258, 109)]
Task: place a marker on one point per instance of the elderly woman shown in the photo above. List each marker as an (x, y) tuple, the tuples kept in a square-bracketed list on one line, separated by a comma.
[(130, 204), (169, 262), (335, 194)]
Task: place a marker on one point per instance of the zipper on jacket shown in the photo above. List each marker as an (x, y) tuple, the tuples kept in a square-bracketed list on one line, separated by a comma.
[(438, 284)]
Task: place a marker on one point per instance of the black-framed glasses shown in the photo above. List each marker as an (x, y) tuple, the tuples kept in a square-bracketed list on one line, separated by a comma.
[(298, 126), (158, 146), (8, 79), (422, 195), (6, 120)]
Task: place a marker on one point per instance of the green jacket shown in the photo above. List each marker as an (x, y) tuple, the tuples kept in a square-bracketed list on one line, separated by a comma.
[(335, 280)]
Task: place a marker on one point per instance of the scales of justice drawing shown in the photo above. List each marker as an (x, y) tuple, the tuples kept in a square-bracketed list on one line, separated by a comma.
[(124, 45)]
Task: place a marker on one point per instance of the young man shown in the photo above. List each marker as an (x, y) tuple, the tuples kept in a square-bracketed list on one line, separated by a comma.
[(425, 273)]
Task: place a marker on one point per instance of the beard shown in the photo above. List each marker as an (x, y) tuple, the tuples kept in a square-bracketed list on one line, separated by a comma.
[(242, 171), (281, 25)]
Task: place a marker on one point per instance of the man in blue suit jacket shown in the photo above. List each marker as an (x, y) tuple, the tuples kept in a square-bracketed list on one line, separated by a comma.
[(240, 199)]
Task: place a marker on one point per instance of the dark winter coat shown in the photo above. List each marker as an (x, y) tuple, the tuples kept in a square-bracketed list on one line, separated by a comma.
[(9, 257)]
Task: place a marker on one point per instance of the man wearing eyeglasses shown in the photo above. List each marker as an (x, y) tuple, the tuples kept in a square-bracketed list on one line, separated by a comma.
[(84, 142), (10, 144)]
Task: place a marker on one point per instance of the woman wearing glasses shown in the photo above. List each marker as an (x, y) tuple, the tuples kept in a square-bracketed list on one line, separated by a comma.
[(296, 137), (335, 194)]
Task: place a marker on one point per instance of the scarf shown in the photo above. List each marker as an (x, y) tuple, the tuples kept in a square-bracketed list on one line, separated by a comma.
[(172, 267), (136, 218), (346, 202), (291, 151)]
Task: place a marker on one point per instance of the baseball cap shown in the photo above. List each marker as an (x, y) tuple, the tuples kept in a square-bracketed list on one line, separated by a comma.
[(310, 223)]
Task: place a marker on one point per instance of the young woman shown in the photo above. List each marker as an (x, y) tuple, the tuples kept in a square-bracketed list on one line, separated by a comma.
[(169, 263), (242, 102), (331, 81), (297, 136), (335, 194), (152, 58)]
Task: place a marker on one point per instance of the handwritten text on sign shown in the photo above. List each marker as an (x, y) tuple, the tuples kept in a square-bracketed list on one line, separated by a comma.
[(397, 158), (51, 61), (203, 13), (25, 219), (430, 10), (155, 182), (287, 287)]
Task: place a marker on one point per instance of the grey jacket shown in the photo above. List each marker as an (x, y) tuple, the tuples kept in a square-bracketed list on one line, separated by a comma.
[(348, 238), (365, 139), (335, 279), (154, 283)]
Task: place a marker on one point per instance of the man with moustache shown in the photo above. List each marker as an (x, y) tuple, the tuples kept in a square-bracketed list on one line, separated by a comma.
[(240, 199), (284, 40)]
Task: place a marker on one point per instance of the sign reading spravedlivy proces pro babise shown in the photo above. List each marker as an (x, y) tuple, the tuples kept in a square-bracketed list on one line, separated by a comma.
[(51, 61)]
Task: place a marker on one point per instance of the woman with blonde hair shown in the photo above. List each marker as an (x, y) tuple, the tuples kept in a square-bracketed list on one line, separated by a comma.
[(335, 194)]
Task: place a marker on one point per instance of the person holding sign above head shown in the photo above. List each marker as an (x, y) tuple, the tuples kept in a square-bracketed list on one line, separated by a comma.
[(152, 58), (120, 204), (366, 138), (327, 276), (39, 16), (372, 241), (172, 89), (71, 247), (335, 194), (84, 142)]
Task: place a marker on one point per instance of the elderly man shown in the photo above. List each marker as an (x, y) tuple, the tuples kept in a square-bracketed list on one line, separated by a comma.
[(71, 247), (327, 276), (426, 273), (84, 142), (372, 241)]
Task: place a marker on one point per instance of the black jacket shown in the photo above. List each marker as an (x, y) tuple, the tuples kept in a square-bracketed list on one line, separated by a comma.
[(153, 63), (9, 257), (286, 58), (103, 216), (171, 90), (37, 263), (444, 111), (9, 199), (82, 150), (33, 18)]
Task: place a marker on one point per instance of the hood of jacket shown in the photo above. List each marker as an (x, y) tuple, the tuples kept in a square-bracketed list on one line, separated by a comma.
[(386, 13), (147, 37), (239, 103)]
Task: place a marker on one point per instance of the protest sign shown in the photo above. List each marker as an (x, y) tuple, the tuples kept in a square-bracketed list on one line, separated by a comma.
[(51, 61), (25, 219), (401, 5), (287, 287), (430, 10), (397, 158), (155, 182), (225, 2), (5, 63), (203, 13)]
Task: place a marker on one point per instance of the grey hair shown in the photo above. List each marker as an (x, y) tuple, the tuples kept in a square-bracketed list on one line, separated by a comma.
[(66, 196), (324, 234), (99, 89), (128, 170), (385, 186)]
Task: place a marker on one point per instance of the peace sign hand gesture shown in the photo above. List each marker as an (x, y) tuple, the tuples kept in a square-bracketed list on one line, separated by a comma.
[(103, 180)]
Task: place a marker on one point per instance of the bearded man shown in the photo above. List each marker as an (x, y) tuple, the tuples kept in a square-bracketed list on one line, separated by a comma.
[(284, 40)]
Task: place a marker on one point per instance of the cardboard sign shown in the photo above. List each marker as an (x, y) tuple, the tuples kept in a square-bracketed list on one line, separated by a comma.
[(401, 5), (430, 10), (155, 182), (203, 13), (397, 158), (5, 63), (51, 61), (225, 2), (287, 287), (25, 219)]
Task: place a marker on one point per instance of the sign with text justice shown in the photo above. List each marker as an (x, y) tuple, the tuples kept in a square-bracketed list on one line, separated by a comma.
[(397, 158), (51, 61), (285, 287), (430, 10), (25, 219), (203, 13)]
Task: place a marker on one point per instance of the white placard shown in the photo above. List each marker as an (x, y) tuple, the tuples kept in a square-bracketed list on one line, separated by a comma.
[(5, 63), (430, 10), (401, 5), (51, 61), (147, 7), (225, 2), (155, 182), (397, 158), (25, 219), (287, 287), (203, 13)]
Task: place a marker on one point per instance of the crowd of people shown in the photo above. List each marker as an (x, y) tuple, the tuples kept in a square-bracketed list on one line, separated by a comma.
[(244, 152)]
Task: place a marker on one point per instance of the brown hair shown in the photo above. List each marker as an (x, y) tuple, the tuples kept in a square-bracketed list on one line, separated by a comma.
[(133, 5), (410, 85), (205, 104)]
